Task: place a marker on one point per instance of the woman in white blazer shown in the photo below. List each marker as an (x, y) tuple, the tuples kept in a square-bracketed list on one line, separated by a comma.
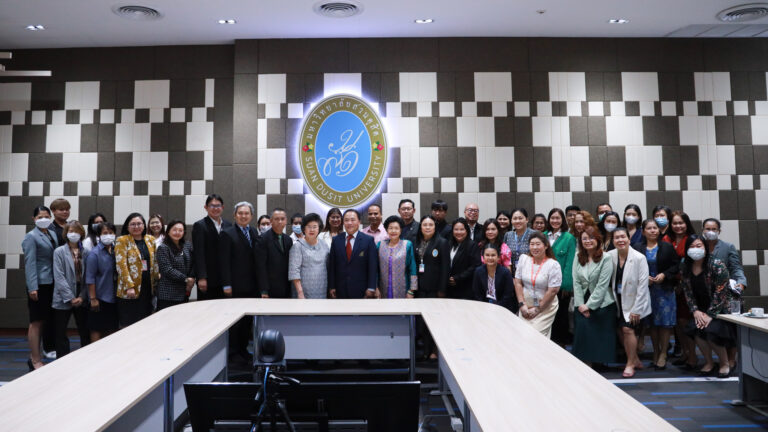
[(630, 287)]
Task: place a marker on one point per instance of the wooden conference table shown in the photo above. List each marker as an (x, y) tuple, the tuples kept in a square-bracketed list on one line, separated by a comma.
[(508, 376)]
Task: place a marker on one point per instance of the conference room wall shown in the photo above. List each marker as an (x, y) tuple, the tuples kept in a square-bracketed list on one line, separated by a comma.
[(534, 123), (113, 130), (503, 122)]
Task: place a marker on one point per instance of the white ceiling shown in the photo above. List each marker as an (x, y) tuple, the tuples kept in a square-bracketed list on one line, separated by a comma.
[(90, 23)]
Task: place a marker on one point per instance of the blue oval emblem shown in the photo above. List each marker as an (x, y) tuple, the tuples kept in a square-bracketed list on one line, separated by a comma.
[(343, 151)]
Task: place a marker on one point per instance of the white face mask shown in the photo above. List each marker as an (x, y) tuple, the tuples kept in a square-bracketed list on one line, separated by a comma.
[(73, 237), (43, 223), (107, 239), (710, 235), (631, 219), (296, 229), (697, 253), (264, 228), (610, 227)]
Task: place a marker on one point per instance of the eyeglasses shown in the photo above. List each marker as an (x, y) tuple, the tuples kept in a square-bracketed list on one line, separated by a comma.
[(215, 206), (472, 211), (136, 225)]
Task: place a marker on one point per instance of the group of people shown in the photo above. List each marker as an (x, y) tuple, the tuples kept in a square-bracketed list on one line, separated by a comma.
[(574, 279)]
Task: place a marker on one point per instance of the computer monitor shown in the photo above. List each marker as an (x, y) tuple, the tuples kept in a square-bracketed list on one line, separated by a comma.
[(385, 406)]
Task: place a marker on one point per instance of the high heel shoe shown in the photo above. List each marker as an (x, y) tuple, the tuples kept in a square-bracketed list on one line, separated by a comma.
[(31, 365)]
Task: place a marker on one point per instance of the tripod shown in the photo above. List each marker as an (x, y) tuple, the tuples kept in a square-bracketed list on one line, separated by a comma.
[(271, 405)]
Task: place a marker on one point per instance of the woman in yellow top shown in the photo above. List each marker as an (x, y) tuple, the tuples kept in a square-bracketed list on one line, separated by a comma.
[(137, 270)]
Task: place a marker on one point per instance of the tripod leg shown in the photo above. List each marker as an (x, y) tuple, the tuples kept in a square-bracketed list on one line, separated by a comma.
[(281, 405), (259, 417)]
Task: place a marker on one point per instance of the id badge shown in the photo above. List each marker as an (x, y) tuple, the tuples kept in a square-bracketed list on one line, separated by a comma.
[(144, 266), (421, 268), (618, 287)]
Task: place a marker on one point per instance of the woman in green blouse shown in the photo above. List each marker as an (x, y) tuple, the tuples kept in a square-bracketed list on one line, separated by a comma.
[(564, 248), (594, 339)]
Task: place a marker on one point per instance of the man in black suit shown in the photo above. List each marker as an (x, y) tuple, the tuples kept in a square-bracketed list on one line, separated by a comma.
[(205, 244), (407, 209), (272, 258), (353, 263), (237, 246), (471, 214)]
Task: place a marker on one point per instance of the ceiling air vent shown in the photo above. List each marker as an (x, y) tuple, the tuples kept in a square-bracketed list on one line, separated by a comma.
[(742, 13), (138, 13), (338, 9)]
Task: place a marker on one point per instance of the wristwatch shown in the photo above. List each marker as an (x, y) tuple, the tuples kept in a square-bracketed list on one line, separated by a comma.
[(521, 304)]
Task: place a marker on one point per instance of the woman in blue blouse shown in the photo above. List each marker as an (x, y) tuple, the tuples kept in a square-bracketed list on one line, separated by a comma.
[(100, 280), (517, 237), (663, 266), (632, 218)]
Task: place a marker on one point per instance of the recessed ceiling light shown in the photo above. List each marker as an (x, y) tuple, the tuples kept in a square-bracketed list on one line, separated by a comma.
[(424, 21), (618, 21), (35, 27), (227, 21)]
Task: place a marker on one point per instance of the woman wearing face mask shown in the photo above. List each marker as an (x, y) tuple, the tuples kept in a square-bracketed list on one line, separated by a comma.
[(662, 215), (517, 238), (728, 254), (263, 224), (491, 236), (398, 272), (663, 266), (630, 287), (679, 231), (174, 259), (38, 247), (564, 249), (137, 270), (308, 259), (705, 282), (92, 236), (492, 282), (724, 251), (632, 217), (434, 262), (464, 260), (296, 227), (594, 321), (607, 226), (100, 279), (69, 291), (333, 226), (505, 220), (156, 228), (537, 280)]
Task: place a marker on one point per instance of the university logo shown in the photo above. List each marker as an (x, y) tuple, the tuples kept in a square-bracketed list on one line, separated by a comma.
[(343, 151)]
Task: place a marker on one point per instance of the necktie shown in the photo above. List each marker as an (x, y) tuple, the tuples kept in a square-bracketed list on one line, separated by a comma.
[(280, 242), (349, 247), (247, 235)]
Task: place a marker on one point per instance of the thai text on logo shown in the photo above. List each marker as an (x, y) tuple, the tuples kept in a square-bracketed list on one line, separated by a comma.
[(343, 151)]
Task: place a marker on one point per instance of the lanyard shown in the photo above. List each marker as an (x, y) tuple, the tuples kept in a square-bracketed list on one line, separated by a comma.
[(533, 278)]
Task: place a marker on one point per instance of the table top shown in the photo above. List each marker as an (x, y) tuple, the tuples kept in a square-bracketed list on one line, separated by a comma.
[(754, 323), (511, 376)]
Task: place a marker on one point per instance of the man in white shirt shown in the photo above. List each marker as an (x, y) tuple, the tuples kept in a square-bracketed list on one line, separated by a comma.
[(375, 229)]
